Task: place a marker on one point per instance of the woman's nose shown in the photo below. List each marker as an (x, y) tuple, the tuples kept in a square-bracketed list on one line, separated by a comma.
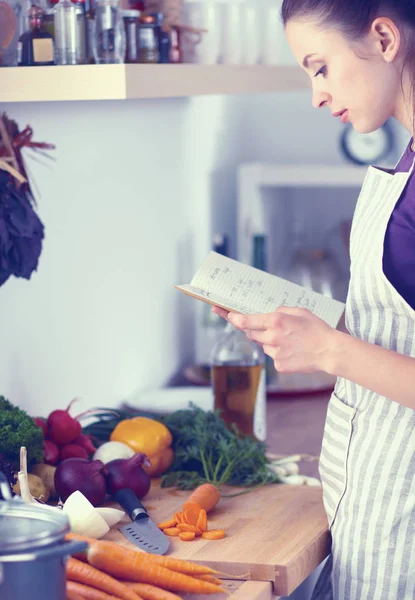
[(320, 99)]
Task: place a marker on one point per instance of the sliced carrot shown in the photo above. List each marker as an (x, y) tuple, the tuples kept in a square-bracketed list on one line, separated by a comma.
[(202, 522), (187, 536), (179, 517), (151, 592), (172, 531), (213, 534), (191, 515), (129, 565), (88, 575), (185, 527), (85, 592), (167, 524)]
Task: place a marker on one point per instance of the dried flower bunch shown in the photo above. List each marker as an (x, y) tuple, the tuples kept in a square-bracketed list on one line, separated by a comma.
[(21, 231)]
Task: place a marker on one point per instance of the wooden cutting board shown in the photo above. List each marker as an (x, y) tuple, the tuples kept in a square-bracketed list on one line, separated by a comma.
[(277, 533)]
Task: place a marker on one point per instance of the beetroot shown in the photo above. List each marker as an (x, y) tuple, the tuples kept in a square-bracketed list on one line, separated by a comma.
[(51, 452), (62, 428), (72, 451), (85, 442), (42, 424)]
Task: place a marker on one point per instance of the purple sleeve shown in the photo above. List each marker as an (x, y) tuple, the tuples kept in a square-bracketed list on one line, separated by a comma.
[(399, 244)]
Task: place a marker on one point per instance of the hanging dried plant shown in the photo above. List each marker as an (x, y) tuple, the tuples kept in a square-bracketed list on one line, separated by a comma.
[(21, 231)]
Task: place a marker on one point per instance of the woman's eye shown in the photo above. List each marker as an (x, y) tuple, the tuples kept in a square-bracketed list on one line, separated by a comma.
[(322, 71)]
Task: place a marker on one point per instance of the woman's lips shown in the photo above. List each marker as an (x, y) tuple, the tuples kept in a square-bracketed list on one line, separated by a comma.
[(345, 116)]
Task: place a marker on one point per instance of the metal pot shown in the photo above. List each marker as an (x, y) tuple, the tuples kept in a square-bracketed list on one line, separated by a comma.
[(33, 550)]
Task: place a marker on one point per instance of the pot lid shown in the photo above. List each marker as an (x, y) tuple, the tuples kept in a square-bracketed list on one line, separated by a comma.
[(25, 527)]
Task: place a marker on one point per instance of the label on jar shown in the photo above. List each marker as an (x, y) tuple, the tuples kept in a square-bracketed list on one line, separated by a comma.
[(43, 50), (146, 37)]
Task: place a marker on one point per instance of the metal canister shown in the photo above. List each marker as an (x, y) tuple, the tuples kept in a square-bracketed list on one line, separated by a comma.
[(33, 550)]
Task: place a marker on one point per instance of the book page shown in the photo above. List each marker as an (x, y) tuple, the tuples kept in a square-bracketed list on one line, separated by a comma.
[(241, 288)]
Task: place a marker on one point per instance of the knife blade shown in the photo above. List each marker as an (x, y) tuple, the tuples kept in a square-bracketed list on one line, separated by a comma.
[(142, 532)]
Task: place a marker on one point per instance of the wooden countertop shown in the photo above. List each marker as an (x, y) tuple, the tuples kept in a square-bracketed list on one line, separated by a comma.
[(276, 536)]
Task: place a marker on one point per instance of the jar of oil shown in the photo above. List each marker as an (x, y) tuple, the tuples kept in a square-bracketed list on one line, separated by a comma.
[(238, 383)]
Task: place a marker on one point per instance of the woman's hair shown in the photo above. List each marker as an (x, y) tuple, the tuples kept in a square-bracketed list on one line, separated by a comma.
[(355, 17)]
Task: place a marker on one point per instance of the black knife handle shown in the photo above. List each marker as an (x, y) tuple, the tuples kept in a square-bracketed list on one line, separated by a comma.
[(131, 504)]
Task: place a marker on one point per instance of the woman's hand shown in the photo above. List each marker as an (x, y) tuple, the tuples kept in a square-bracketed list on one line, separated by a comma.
[(296, 340)]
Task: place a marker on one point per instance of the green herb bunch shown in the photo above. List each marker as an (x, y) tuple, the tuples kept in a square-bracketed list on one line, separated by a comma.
[(205, 450), (18, 429)]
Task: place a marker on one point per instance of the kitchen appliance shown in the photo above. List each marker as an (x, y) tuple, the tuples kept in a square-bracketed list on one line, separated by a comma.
[(33, 550), (142, 532)]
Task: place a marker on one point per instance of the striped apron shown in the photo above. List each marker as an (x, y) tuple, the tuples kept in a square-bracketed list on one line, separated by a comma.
[(367, 462)]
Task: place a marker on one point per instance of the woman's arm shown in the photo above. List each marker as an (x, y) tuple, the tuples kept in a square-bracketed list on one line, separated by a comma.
[(298, 341), (383, 371)]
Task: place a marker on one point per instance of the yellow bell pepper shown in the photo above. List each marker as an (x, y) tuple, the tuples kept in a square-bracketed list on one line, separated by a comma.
[(148, 436)]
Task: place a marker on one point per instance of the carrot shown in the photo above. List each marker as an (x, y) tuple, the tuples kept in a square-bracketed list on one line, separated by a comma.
[(151, 592), (191, 514), (213, 534), (202, 522), (178, 517), (167, 524), (87, 574), (129, 566), (186, 567), (172, 531), (85, 592), (72, 595), (206, 496), (185, 527), (187, 536)]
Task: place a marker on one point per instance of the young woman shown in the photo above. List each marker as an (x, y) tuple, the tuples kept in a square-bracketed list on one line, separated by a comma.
[(360, 56)]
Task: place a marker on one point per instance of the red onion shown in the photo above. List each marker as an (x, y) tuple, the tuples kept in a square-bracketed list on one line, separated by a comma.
[(128, 473), (83, 475)]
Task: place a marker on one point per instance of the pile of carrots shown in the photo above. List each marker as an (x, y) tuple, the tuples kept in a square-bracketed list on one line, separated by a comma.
[(192, 521), (108, 571)]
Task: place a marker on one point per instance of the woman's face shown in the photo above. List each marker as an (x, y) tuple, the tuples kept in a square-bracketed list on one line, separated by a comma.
[(354, 80)]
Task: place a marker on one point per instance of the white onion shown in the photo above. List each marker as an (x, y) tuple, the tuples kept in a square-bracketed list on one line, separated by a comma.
[(112, 451), (83, 517)]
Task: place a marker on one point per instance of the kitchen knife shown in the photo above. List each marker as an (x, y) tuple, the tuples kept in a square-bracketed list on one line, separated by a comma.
[(142, 532)]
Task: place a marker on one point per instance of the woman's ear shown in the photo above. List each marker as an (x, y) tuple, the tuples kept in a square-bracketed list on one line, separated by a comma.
[(387, 38)]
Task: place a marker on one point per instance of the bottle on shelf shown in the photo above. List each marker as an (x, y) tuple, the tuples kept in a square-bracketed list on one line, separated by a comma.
[(65, 33), (35, 47), (238, 383), (109, 34)]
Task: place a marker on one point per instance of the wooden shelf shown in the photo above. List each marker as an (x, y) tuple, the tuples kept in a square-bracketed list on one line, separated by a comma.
[(120, 82)]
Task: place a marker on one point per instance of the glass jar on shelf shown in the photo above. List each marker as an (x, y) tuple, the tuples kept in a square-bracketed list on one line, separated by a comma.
[(35, 47), (10, 11), (65, 33), (148, 46), (109, 36), (130, 20)]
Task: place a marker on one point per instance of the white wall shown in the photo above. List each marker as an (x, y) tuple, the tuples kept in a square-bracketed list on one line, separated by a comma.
[(129, 206)]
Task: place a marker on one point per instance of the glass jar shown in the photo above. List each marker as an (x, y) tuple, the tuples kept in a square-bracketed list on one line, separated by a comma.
[(109, 36), (65, 33), (148, 47), (10, 11), (130, 19), (238, 382)]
